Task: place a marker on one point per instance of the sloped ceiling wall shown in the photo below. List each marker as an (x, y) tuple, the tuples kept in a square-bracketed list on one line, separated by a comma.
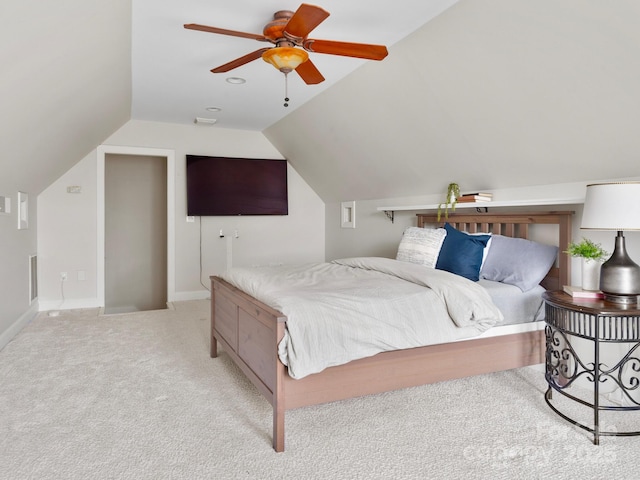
[(491, 94), (65, 84)]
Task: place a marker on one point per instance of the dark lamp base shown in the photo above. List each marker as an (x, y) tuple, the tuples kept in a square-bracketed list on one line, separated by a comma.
[(620, 276)]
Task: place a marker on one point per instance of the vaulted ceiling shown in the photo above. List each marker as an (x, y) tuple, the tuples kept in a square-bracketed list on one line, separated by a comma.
[(489, 93), (172, 81), (65, 85)]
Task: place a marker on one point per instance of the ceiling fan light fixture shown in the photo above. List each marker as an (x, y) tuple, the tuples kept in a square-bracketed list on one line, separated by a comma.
[(285, 59)]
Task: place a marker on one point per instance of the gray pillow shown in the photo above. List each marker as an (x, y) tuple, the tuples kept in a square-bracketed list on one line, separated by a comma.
[(421, 245), (519, 262)]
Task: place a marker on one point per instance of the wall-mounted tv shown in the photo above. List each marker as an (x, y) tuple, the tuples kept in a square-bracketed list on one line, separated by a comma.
[(218, 186)]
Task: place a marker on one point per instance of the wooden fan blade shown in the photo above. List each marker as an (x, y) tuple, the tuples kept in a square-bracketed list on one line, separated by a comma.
[(306, 18), (358, 50), (238, 62), (309, 73), (222, 31)]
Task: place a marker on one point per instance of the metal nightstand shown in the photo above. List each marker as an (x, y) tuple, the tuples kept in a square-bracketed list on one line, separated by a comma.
[(600, 323)]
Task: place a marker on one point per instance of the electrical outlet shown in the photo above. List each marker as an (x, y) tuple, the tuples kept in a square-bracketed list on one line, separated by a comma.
[(63, 276)]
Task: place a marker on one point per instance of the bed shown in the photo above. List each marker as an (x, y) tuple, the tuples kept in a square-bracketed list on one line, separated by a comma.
[(250, 332)]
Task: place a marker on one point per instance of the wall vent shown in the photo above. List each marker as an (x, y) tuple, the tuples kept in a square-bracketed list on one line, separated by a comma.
[(204, 121), (33, 278)]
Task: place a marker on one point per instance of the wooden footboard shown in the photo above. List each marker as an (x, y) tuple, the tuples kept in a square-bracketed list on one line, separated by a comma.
[(250, 332)]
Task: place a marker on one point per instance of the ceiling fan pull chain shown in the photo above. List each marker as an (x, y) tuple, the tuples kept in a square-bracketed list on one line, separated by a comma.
[(286, 90)]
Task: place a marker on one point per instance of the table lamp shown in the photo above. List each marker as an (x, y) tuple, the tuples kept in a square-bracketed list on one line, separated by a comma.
[(615, 206)]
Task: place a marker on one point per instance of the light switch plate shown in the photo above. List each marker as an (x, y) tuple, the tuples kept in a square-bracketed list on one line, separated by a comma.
[(348, 214)]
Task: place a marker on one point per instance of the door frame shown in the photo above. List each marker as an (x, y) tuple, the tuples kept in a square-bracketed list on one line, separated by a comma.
[(170, 155)]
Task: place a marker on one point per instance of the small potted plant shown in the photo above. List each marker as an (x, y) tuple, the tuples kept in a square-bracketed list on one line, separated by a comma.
[(453, 192), (593, 255)]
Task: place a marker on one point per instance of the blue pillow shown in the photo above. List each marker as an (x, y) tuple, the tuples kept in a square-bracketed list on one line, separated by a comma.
[(461, 253)]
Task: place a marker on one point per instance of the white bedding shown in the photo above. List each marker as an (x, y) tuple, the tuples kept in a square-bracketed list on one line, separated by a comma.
[(354, 308)]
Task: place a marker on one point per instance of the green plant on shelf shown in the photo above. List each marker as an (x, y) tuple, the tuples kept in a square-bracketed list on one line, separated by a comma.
[(453, 192)]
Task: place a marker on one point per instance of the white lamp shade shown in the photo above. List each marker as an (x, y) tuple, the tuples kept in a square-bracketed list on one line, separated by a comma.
[(612, 206)]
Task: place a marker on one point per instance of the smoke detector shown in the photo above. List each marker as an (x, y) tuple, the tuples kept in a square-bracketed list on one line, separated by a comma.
[(204, 121)]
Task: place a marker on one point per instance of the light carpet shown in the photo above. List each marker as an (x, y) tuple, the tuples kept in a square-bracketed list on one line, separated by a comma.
[(136, 396)]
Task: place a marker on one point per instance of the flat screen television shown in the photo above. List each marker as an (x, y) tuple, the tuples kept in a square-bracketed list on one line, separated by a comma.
[(218, 186)]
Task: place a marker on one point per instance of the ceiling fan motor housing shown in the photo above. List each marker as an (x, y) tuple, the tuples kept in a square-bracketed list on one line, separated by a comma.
[(274, 30)]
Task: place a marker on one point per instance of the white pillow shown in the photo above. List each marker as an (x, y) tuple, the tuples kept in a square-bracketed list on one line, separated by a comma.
[(421, 245)]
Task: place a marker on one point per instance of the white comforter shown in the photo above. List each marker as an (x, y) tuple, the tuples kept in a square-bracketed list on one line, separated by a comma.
[(358, 307)]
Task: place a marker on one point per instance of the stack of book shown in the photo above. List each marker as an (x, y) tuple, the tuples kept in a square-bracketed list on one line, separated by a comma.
[(578, 292), (475, 197)]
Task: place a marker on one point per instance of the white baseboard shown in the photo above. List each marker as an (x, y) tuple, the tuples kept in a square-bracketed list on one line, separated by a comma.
[(196, 295), (71, 304), (18, 325)]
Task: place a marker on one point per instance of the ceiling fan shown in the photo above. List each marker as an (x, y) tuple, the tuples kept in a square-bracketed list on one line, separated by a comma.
[(288, 31)]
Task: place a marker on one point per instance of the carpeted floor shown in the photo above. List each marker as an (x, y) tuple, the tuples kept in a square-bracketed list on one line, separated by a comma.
[(136, 396)]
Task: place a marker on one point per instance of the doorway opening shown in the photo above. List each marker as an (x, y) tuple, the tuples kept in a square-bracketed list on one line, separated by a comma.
[(136, 250)]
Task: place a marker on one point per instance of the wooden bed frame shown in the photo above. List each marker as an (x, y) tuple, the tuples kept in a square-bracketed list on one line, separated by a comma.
[(249, 331)]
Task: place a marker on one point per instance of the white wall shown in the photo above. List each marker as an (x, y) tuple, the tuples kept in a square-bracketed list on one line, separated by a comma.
[(16, 246), (65, 86), (67, 237), (68, 227)]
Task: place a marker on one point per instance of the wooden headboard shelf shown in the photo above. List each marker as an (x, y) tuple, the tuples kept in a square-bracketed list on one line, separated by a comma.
[(515, 225)]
